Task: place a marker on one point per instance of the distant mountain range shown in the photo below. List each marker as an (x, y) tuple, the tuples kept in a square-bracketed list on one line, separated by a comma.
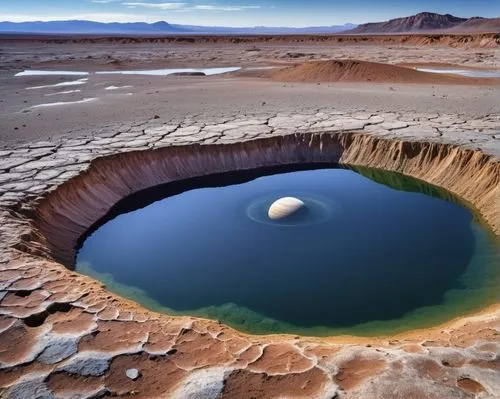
[(429, 22), (266, 30), (424, 22), (157, 28)]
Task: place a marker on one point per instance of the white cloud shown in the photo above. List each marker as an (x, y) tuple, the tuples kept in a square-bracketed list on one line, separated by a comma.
[(223, 8), (157, 6), (186, 7)]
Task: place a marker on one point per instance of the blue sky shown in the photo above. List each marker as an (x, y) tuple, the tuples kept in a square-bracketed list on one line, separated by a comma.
[(239, 12)]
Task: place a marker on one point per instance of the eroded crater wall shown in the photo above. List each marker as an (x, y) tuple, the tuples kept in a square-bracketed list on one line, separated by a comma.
[(66, 214)]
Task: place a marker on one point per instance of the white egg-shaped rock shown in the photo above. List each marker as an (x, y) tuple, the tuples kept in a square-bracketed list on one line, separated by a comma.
[(284, 207)]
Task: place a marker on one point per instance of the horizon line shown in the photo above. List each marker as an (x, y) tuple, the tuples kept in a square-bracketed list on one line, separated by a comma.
[(178, 24), (225, 26)]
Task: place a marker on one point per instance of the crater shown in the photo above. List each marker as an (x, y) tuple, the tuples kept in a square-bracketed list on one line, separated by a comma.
[(368, 251), (185, 230)]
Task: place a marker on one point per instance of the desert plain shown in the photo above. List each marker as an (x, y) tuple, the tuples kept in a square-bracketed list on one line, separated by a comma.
[(69, 152)]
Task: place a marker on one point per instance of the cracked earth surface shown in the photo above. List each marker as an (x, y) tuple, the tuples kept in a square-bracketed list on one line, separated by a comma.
[(62, 335)]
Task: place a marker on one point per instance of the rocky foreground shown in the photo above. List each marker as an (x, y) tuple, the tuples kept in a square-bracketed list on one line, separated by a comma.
[(63, 335)]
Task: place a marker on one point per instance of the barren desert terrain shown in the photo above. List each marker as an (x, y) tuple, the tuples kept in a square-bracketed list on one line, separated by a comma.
[(72, 146), (244, 92)]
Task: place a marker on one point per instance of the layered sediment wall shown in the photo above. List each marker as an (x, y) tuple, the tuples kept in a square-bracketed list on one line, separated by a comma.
[(459, 40), (67, 213)]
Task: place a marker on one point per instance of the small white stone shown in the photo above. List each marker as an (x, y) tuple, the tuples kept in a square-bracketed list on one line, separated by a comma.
[(284, 207), (133, 374)]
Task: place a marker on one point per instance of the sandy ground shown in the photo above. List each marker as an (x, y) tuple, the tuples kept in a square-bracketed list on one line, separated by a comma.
[(174, 98)]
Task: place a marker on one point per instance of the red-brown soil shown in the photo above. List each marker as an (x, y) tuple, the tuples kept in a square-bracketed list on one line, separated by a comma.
[(364, 71)]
